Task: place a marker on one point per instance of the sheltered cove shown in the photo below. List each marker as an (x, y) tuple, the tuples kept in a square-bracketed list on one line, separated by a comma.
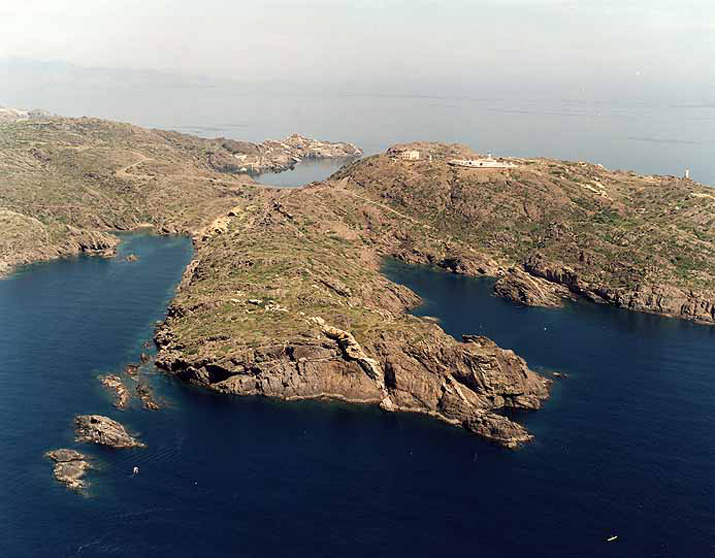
[(285, 297)]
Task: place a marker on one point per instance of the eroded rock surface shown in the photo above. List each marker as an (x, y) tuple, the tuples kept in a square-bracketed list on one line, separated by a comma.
[(115, 384), (102, 430), (145, 393), (521, 287), (70, 467)]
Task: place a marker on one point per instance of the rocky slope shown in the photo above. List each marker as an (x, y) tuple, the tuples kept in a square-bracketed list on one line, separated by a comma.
[(285, 297), (565, 229), (287, 300), (66, 183)]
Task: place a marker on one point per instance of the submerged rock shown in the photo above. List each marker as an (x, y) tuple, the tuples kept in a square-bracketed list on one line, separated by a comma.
[(70, 467), (104, 431), (131, 370)]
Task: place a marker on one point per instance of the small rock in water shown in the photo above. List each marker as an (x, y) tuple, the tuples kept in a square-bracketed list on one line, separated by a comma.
[(104, 431), (144, 358), (70, 467), (131, 370), (145, 394), (132, 258), (121, 393)]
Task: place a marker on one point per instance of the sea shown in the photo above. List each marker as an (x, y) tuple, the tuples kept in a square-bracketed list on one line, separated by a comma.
[(650, 133), (624, 447)]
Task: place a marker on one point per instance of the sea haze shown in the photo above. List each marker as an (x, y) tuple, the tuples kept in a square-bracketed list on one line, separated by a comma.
[(656, 135)]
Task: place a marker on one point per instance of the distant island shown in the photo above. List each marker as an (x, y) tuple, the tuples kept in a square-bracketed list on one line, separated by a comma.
[(285, 298)]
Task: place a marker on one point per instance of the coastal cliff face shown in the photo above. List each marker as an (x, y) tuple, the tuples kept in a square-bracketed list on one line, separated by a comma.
[(288, 301), (555, 229), (285, 297)]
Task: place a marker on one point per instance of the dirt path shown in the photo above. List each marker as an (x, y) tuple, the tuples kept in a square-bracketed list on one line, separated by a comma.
[(124, 171)]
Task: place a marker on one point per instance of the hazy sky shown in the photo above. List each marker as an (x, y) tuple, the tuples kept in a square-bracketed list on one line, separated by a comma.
[(639, 45)]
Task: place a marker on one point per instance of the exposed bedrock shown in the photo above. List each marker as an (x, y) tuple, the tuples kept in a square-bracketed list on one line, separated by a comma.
[(116, 386), (465, 384), (104, 431), (70, 467), (658, 299), (520, 287)]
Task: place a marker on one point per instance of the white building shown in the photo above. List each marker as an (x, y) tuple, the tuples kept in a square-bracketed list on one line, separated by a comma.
[(485, 163), (410, 155)]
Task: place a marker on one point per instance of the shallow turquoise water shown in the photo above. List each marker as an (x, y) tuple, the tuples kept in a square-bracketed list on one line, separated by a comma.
[(624, 446)]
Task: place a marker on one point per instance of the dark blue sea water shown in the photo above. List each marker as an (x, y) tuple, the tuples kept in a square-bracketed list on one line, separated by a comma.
[(625, 445)]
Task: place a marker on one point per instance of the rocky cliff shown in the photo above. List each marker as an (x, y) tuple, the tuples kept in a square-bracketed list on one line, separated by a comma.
[(287, 300), (285, 297), (551, 230)]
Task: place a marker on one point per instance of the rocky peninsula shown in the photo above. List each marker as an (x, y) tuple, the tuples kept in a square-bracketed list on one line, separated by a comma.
[(277, 156), (285, 298), (68, 183)]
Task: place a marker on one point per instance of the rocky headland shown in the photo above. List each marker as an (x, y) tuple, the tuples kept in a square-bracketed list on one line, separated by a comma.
[(552, 230), (280, 155), (288, 301), (285, 298), (68, 183)]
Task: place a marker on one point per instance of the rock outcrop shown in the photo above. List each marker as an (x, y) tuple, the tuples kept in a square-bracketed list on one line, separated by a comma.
[(102, 430), (146, 395), (70, 467), (465, 384), (522, 288), (115, 384)]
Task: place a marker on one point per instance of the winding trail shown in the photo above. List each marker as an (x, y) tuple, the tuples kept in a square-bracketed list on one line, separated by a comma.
[(124, 171)]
